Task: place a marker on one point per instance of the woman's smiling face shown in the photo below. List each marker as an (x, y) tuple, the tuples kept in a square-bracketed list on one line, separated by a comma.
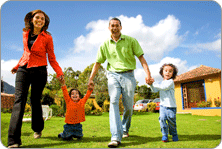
[(38, 20)]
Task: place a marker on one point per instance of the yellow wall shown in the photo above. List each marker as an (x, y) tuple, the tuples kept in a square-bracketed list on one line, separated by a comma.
[(212, 90)]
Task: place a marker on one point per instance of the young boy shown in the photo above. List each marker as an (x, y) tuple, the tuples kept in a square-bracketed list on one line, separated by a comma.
[(167, 101)]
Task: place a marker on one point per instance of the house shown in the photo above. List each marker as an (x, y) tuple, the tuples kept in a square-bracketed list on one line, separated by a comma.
[(202, 84)]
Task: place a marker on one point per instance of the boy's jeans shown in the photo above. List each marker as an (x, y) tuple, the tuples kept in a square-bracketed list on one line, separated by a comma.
[(120, 83), (169, 115)]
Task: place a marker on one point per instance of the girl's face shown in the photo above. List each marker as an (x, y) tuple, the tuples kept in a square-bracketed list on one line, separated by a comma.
[(75, 96), (167, 72), (38, 20)]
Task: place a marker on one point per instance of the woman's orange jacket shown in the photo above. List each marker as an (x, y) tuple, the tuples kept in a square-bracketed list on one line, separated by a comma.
[(37, 55)]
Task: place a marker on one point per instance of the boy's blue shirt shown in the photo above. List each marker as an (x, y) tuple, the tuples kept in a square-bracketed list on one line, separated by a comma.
[(166, 90)]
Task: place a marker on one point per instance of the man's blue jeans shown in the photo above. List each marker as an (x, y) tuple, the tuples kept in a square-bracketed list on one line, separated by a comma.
[(168, 115), (120, 83)]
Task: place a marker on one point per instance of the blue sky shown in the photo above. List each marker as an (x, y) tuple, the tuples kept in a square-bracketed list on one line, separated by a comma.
[(187, 34)]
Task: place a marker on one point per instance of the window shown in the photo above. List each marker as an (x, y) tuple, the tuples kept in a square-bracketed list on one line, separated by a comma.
[(193, 93)]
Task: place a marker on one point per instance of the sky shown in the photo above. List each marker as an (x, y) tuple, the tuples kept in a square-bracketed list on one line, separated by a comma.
[(185, 33)]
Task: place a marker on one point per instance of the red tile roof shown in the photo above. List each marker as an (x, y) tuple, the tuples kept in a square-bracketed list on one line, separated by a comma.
[(197, 73)]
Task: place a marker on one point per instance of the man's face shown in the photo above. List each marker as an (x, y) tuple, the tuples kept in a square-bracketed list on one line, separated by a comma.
[(115, 28)]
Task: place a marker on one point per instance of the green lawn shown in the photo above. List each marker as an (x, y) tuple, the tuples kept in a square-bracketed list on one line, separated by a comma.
[(193, 131)]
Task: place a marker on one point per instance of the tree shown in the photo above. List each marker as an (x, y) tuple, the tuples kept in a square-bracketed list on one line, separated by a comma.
[(100, 82), (70, 76), (144, 91)]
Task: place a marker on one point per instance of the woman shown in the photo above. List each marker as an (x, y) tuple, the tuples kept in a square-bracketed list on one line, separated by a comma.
[(31, 70)]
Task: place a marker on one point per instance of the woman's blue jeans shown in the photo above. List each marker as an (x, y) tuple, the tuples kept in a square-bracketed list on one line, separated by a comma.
[(120, 83), (168, 115)]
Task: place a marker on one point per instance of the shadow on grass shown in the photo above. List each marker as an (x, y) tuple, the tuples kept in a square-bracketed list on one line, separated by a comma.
[(126, 142)]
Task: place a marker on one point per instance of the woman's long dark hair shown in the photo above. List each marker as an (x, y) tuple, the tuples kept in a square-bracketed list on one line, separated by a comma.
[(28, 21)]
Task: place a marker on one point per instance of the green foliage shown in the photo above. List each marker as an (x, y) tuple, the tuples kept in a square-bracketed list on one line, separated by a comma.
[(106, 106), (57, 110), (151, 106), (217, 102), (101, 97), (27, 108), (70, 77), (144, 91), (100, 82), (88, 108), (204, 104)]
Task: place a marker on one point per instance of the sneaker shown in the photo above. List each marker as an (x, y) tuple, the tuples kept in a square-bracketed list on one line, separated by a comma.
[(164, 139), (175, 138), (113, 144), (125, 135), (37, 135), (13, 146)]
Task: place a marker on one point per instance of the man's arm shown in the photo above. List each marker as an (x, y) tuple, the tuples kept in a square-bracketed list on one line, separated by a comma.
[(93, 73), (146, 69)]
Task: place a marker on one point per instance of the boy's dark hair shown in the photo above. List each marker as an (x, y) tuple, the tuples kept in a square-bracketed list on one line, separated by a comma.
[(80, 95), (117, 20), (175, 70)]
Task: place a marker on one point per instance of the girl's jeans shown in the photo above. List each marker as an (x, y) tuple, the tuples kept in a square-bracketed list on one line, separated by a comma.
[(37, 78), (72, 130), (120, 83), (168, 115)]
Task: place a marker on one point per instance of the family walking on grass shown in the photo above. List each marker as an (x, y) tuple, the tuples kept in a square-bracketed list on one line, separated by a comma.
[(119, 51)]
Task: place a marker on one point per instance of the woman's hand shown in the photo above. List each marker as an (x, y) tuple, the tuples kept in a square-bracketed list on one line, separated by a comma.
[(13, 71), (61, 80)]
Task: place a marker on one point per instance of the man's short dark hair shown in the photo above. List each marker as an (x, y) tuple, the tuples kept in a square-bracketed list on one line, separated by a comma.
[(117, 20)]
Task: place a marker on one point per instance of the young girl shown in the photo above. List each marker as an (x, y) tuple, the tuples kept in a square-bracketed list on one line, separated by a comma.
[(75, 113), (167, 101)]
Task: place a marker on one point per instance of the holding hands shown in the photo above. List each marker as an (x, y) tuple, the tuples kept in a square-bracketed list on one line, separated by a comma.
[(149, 80)]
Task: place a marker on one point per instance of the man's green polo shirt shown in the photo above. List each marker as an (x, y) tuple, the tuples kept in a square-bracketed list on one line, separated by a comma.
[(121, 55)]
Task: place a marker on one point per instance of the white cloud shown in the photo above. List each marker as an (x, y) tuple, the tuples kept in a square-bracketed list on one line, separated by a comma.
[(201, 47), (155, 68), (158, 39), (6, 67)]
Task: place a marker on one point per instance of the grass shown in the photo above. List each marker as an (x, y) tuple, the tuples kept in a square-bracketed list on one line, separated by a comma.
[(193, 132)]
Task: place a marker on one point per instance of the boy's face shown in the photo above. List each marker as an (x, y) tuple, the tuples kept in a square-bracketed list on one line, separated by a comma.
[(75, 96), (167, 72)]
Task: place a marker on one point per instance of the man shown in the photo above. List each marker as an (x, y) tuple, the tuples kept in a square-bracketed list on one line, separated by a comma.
[(120, 51)]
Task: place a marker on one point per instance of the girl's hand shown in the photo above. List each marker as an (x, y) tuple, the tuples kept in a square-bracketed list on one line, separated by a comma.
[(13, 71)]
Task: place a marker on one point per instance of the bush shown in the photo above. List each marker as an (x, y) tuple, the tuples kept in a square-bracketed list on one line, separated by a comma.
[(57, 111), (217, 102), (106, 106), (88, 108), (204, 104), (27, 108), (151, 106), (101, 97)]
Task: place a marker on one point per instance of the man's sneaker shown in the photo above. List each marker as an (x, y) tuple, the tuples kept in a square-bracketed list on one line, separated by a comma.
[(113, 144), (37, 135), (175, 138), (165, 139), (13, 146), (125, 135)]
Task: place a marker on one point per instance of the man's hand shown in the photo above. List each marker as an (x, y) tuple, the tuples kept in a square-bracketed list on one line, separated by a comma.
[(90, 85)]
